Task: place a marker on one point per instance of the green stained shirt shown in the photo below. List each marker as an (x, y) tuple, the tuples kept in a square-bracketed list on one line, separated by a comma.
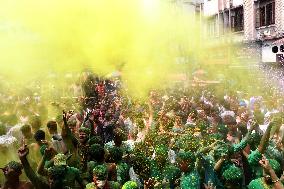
[(190, 180), (122, 173), (156, 172), (72, 175)]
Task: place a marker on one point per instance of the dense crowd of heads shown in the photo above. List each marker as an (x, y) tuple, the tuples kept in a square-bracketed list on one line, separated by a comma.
[(180, 137)]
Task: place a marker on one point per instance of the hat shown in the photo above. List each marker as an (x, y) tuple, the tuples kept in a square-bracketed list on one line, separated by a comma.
[(60, 159)]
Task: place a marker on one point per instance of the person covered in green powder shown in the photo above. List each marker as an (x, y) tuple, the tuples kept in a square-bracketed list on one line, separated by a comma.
[(97, 157), (47, 160), (159, 167), (271, 174), (130, 185), (12, 172), (100, 179), (159, 162), (190, 178), (233, 177), (122, 169), (255, 156), (227, 155), (71, 174), (141, 169), (55, 174), (78, 147)]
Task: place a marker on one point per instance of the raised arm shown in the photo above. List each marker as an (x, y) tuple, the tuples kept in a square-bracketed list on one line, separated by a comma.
[(46, 156), (66, 133), (219, 164), (265, 138), (65, 129), (91, 117), (33, 177), (40, 169), (276, 183), (240, 146)]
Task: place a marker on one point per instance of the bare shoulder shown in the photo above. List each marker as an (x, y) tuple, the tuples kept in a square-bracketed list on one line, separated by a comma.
[(26, 185)]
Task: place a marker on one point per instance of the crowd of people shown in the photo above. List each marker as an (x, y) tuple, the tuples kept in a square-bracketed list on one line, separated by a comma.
[(188, 138)]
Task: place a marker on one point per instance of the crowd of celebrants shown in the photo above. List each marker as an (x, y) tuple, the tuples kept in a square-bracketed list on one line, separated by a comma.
[(187, 138)]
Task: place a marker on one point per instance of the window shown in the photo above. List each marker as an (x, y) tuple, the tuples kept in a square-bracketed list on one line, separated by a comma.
[(262, 16), (270, 14), (265, 15), (238, 19)]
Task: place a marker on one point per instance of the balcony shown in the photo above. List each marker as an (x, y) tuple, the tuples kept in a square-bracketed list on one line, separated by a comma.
[(266, 32)]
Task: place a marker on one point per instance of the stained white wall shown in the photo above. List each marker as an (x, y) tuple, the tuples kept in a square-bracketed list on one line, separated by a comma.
[(267, 54), (210, 7), (238, 2)]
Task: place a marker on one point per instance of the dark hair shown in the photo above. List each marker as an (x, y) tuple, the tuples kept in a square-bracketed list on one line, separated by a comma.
[(97, 152), (52, 125), (96, 140), (115, 154), (39, 135)]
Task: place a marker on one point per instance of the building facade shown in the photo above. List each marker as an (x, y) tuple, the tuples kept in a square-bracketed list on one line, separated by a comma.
[(257, 23)]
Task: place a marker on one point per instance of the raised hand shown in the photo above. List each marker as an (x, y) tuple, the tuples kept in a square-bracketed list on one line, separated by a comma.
[(265, 164), (49, 152), (64, 115), (253, 124), (23, 151)]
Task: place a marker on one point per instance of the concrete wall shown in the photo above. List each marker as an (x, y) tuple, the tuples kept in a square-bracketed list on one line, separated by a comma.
[(249, 20), (267, 54), (279, 16)]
